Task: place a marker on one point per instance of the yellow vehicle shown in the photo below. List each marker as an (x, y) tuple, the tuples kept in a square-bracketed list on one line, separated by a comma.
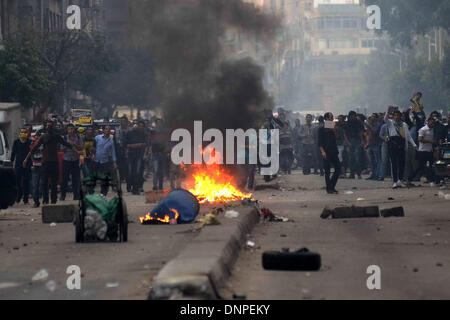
[(81, 117)]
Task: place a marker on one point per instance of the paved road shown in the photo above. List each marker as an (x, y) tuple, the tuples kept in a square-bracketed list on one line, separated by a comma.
[(27, 246), (413, 252)]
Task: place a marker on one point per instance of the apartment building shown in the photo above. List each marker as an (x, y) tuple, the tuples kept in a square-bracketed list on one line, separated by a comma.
[(337, 42)]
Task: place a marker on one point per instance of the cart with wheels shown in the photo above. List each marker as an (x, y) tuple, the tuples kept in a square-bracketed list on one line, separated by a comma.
[(117, 221)]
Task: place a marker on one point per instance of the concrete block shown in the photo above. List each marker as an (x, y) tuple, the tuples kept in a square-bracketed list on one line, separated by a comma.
[(59, 213), (393, 212), (355, 212)]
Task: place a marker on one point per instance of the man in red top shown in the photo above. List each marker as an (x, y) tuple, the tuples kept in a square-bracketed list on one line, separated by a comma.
[(50, 141)]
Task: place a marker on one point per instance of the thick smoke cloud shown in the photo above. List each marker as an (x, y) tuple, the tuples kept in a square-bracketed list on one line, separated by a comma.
[(193, 79)]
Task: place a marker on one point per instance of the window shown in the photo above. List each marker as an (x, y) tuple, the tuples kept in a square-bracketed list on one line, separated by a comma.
[(368, 43)]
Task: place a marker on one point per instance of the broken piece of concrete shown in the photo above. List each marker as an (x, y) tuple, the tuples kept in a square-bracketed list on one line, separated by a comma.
[(351, 212), (58, 213), (393, 212)]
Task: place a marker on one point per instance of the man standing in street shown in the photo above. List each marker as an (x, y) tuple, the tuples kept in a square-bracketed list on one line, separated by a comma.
[(425, 152), (88, 152), (136, 144), (122, 156), (159, 148), (308, 144), (105, 157), (330, 154), (374, 145), (297, 143), (50, 141), (399, 137), (36, 170), (20, 150), (71, 164), (354, 137)]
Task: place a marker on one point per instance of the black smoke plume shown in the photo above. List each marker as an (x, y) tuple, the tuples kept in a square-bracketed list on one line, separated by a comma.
[(193, 78)]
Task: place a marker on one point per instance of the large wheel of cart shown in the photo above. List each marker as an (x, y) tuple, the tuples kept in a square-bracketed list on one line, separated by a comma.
[(79, 230), (124, 223)]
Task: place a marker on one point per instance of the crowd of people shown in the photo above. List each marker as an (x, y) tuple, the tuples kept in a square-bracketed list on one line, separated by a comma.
[(396, 144), (63, 154)]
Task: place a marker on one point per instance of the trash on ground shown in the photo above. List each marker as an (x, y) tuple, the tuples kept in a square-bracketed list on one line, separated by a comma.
[(300, 260), (112, 284), (51, 285), (52, 224), (348, 192), (7, 285), (209, 220), (40, 275), (250, 244), (231, 214), (94, 225), (217, 211), (250, 202), (360, 199), (268, 215)]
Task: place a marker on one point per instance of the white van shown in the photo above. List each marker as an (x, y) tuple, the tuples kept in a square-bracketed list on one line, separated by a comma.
[(4, 150)]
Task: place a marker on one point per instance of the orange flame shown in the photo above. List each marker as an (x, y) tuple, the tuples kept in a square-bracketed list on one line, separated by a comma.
[(166, 219), (212, 184)]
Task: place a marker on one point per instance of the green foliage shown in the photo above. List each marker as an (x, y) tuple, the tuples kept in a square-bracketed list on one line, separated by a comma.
[(403, 19), (23, 76)]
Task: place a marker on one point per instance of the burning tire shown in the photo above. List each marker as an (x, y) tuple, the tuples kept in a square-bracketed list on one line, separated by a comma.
[(301, 260)]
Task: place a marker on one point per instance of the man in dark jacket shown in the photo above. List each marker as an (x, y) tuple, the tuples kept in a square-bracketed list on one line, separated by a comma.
[(20, 150), (330, 154), (136, 142)]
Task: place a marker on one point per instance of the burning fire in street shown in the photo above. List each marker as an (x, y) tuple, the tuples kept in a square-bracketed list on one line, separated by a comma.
[(155, 218), (212, 184)]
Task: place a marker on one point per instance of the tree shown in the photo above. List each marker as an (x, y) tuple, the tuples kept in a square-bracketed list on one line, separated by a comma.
[(403, 19), (23, 76)]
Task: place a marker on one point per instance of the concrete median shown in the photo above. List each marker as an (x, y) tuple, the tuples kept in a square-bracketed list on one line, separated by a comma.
[(207, 261)]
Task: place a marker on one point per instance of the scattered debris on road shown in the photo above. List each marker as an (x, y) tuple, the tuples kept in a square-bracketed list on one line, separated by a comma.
[(112, 284), (51, 285), (230, 214), (300, 260), (40, 275)]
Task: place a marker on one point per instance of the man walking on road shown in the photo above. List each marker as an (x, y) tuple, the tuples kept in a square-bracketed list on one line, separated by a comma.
[(330, 154), (425, 152), (397, 145), (50, 140), (136, 143), (20, 150), (71, 164), (308, 144), (105, 157), (354, 138)]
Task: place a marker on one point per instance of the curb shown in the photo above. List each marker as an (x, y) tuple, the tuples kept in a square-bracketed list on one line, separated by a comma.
[(206, 262)]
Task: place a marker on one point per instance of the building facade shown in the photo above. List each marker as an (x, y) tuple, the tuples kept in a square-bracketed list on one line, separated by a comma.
[(337, 42)]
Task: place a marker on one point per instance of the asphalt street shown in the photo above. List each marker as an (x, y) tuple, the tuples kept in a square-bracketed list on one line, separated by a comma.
[(412, 252), (108, 270)]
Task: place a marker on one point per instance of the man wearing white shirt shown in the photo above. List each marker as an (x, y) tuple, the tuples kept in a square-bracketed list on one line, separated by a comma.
[(425, 153), (397, 145)]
